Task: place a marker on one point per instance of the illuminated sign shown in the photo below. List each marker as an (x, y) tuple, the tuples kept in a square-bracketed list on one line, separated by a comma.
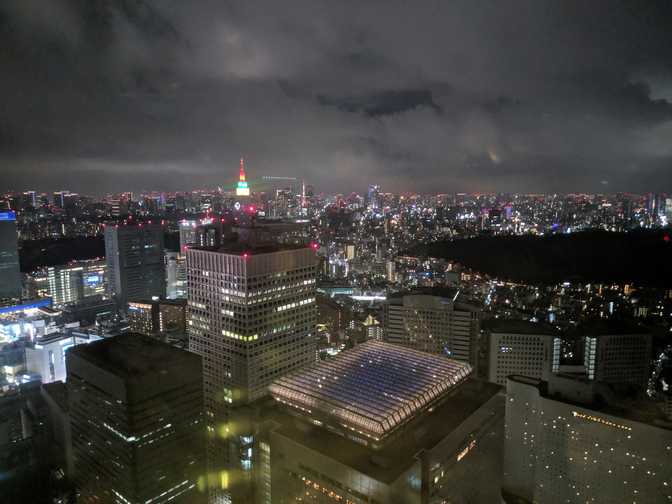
[(93, 279), (7, 216)]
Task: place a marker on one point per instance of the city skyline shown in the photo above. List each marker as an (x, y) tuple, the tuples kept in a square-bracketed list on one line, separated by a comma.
[(543, 97), (357, 252)]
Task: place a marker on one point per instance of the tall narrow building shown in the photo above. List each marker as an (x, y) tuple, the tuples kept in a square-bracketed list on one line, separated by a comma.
[(10, 284), (242, 189), (136, 408), (135, 264), (251, 316)]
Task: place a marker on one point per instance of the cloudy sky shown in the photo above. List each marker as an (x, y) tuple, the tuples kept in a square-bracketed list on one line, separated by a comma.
[(432, 96)]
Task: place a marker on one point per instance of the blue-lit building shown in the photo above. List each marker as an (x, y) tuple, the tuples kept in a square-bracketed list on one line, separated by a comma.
[(10, 275)]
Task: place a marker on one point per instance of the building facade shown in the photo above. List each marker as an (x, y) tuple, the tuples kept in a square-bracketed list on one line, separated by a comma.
[(520, 348), (433, 324), (251, 316), (135, 262), (77, 280), (618, 358), (136, 409), (10, 286), (562, 446)]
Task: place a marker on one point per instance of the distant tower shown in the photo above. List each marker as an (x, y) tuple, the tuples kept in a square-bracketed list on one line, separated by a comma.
[(242, 189)]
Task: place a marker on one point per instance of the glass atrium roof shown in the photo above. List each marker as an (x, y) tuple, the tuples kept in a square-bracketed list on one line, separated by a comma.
[(373, 388)]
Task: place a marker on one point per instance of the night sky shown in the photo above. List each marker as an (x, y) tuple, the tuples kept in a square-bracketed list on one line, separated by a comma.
[(434, 96)]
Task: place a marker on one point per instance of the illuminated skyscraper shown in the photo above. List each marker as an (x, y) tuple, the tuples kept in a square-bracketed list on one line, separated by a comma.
[(251, 316), (242, 189), (10, 276), (136, 408)]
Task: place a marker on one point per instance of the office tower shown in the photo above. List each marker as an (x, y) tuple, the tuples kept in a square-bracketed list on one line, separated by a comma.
[(519, 347), (350, 251), (136, 416), (282, 203), (617, 353), (391, 271), (55, 396), (75, 281), (210, 235), (135, 266), (242, 188), (175, 283), (251, 316), (58, 198), (570, 441), (142, 317), (432, 324), (47, 357), (383, 423), (30, 199), (187, 234), (173, 319), (10, 285), (158, 318), (373, 197)]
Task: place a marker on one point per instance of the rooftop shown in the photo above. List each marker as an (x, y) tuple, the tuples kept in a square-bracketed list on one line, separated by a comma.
[(424, 432), (374, 388), (240, 248), (604, 327), (602, 398), (519, 327), (132, 355)]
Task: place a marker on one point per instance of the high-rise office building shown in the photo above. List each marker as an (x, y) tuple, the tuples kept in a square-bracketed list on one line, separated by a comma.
[(158, 318), (58, 198), (137, 424), (10, 275), (77, 280), (382, 423), (187, 234), (570, 441), (251, 316), (432, 324), (373, 197), (617, 354), (135, 263), (176, 275), (519, 347), (142, 317)]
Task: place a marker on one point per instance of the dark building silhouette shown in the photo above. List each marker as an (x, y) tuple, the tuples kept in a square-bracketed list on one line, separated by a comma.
[(135, 264), (136, 410), (10, 276)]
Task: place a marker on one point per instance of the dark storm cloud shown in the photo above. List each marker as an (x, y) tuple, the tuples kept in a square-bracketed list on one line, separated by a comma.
[(101, 95), (383, 103)]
